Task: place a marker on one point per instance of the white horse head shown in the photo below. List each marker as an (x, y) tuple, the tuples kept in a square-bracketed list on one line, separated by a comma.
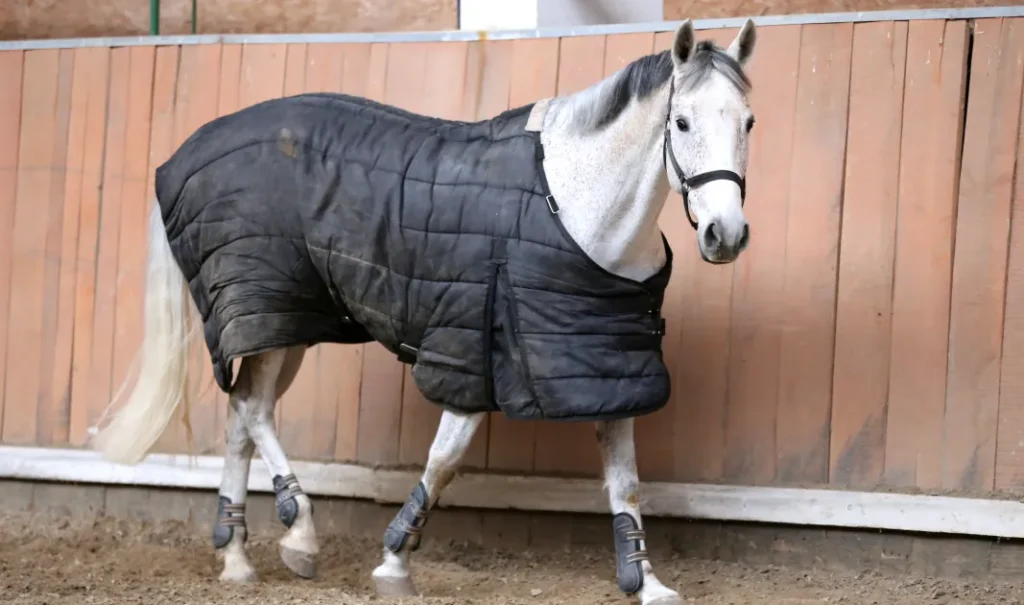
[(707, 138), (679, 118)]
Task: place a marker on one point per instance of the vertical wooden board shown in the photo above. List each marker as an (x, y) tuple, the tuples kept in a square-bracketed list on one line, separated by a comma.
[(294, 69), (868, 241), (494, 72), (190, 92), (195, 95), (571, 447), (302, 433), (381, 420), (262, 73), (11, 63), (340, 379), (488, 71), (443, 91), (399, 68), (200, 94), (622, 49), (134, 220), (929, 165), (757, 296), (83, 108), (439, 92), (699, 380), (167, 130), (534, 76), (47, 404), (95, 69), (341, 372), (28, 243), (104, 313), (336, 382), (683, 423), (475, 63), (979, 262), (227, 102), (444, 79), (1010, 431), (682, 408), (812, 246), (325, 67), (293, 410), (230, 79), (223, 80), (655, 459), (380, 385), (655, 430), (380, 406)]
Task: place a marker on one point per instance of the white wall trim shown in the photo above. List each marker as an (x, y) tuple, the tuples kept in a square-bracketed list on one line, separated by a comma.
[(794, 506)]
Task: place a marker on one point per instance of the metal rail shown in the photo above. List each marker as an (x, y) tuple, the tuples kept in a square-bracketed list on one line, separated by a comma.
[(555, 32)]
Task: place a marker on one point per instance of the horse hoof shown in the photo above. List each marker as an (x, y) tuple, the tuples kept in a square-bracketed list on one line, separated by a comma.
[(666, 600), (394, 586), (239, 575), (302, 564)]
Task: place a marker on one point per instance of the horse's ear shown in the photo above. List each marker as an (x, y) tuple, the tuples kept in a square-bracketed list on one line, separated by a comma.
[(743, 46), (682, 45)]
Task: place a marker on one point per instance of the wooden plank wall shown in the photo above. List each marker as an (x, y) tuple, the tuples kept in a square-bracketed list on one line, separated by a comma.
[(873, 334)]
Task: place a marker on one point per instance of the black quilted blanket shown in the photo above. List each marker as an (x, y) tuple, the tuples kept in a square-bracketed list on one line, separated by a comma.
[(329, 218)]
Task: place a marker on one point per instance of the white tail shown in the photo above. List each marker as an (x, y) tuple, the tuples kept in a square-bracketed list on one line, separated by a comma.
[(163, 381)]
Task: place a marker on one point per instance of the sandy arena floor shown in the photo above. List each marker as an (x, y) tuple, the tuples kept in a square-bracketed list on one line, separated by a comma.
[(62, 563)]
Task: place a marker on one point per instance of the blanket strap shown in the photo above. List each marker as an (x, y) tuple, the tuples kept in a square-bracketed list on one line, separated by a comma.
[(498, 258), (407, 351)]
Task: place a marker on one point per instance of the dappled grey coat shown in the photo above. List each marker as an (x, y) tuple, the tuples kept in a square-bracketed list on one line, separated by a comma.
[(331, 218)]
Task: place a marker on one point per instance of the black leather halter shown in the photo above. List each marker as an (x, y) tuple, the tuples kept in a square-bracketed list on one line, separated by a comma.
[(697, 180)]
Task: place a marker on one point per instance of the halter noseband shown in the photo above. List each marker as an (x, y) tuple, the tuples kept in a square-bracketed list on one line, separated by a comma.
[(697, 180)]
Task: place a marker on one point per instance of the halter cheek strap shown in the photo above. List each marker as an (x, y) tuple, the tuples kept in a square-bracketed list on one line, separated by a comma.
[(697, 180)]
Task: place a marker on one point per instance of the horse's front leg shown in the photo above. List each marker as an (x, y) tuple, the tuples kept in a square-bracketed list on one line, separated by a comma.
[(633, 569), (454, 434)]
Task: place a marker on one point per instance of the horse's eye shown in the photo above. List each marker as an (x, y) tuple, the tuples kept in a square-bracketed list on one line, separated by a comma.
[(682, 125), (750, 124)]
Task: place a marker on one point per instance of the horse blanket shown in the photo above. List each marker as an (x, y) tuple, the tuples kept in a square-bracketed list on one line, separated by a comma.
[(330, 218)]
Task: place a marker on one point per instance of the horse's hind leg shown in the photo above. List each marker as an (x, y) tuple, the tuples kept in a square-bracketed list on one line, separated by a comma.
[(270, 374), (230, 531), (454, 434), (633, 569)]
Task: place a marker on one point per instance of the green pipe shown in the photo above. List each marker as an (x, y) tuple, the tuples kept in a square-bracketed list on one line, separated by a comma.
[(154, 17)]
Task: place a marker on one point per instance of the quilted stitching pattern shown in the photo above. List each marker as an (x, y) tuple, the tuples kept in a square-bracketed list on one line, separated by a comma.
[(331, 218)]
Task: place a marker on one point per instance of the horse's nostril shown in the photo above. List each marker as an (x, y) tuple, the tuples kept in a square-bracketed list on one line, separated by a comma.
[(745, 238), (711, 238)]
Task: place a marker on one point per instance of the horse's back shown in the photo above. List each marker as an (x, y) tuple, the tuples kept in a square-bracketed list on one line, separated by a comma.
[(283, 215), (242, 199)]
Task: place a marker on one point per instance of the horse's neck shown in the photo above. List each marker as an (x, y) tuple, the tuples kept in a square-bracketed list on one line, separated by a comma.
[(610, 187)]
